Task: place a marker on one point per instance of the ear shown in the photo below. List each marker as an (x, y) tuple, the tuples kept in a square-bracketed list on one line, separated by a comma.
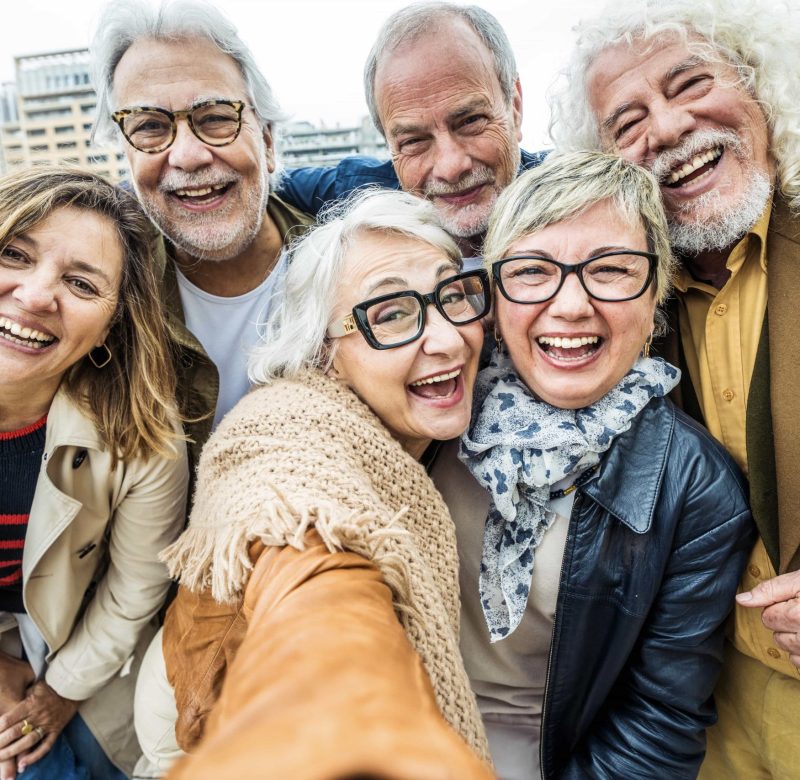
[(516, 109), (270, 148)]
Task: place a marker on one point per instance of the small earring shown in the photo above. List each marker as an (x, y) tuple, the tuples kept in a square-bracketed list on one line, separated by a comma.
[(646, 347), (102, 362), (498, 338)]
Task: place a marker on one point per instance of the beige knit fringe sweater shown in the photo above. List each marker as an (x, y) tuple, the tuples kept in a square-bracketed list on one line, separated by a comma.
[(305, 453)]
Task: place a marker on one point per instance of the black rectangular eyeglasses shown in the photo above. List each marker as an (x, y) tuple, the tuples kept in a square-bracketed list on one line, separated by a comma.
[(151, 129), (617, 276), (398, 318)]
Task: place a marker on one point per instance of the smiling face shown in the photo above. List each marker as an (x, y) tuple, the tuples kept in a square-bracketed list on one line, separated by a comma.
[(453, 136), (694, 125), (208, 200), (605, 338), (59, 286), (396, 383)]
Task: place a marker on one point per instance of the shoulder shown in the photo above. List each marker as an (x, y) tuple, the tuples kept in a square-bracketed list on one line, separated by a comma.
[(531, 159)]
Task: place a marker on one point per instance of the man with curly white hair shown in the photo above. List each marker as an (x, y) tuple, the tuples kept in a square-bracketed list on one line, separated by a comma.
[(705, 93)]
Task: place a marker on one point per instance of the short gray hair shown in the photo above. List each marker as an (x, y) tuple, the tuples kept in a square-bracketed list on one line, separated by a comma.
[(294, 335), (567, 184), (760, 39), (123, 22), (421, 19)]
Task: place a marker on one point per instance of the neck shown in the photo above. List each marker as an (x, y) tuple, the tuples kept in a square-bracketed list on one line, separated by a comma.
[(709, 267), (237, 275), (470, 247), (23, 406)]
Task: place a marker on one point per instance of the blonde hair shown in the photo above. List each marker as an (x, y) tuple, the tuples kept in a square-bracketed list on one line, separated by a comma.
[(131, 399), (761, 40), (567, 184)]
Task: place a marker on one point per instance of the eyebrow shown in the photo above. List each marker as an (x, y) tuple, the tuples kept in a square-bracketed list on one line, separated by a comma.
[(480, 104), (82, 265), (399, 281), (673, 72)]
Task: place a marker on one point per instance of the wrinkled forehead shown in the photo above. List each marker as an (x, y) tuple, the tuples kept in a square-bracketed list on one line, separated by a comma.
[(176, 74)]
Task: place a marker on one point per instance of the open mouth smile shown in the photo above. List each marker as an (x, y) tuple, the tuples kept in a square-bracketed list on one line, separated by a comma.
[(700, 166), (437, 386), (566, 349), (200, 196), (26, 337)]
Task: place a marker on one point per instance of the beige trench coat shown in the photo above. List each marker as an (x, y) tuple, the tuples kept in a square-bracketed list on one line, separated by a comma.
[(92, 581)]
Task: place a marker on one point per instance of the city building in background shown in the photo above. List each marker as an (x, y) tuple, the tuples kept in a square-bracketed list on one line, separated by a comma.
[(302, 144), (47, 115)]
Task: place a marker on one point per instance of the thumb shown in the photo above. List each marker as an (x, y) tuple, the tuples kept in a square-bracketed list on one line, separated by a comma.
[(781, 588)]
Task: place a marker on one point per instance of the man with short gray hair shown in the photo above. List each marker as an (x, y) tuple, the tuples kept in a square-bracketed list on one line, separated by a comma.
[(705, 95), (442, 86), (197, 121)]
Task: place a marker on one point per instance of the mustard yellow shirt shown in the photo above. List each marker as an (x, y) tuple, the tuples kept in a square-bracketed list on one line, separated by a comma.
[(719, 331)]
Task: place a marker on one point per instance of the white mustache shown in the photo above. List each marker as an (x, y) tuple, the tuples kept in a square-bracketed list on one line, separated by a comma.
[(475, 178), (697, 142)]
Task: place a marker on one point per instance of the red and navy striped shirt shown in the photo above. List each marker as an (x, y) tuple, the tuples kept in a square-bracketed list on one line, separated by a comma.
[(20, 459)]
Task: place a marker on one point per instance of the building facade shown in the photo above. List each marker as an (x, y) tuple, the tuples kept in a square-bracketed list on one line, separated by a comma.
[(52, 119), (303, 144)]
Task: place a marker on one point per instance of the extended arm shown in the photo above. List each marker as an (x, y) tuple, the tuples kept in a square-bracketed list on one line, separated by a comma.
[(326, 683)]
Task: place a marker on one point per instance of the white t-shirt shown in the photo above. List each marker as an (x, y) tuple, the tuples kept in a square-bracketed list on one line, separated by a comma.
[(228, 329)]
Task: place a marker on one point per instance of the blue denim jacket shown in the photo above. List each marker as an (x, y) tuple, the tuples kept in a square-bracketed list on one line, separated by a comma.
[(311, 188)]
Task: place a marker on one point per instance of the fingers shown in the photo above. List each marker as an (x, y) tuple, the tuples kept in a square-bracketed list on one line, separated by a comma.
[(40, 752), (783, 617), (8, 770), (772, 591), (22, 742)]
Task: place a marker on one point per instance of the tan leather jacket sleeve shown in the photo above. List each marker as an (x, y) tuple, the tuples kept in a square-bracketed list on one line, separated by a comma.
[(325, 684)]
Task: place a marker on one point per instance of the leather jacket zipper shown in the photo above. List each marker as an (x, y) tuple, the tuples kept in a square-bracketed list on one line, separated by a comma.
[(567, 550)]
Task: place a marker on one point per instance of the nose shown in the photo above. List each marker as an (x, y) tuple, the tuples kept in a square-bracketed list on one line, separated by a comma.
[(36, 293), (188, 152), (572, 302), (440, 336), (451, 162), (668, 124)]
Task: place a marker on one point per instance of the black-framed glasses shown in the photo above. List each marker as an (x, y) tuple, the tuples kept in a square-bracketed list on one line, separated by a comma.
[(617, 276), (398, 318), (151, 129)]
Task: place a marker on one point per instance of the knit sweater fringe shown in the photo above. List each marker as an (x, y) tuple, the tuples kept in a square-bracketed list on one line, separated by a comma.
[(307, 453)]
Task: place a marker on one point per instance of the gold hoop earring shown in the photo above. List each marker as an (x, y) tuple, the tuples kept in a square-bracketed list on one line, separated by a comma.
[(107, 356), (647, 345)]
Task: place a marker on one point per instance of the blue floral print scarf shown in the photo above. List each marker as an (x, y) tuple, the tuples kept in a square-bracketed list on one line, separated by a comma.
[(517, 447)]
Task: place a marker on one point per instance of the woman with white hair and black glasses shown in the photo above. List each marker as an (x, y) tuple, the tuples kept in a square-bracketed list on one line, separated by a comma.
[(319, 573)]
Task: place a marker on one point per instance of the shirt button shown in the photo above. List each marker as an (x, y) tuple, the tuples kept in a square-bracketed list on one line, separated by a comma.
[(754, 570), (728, 394), (720, 309), (773, 653)]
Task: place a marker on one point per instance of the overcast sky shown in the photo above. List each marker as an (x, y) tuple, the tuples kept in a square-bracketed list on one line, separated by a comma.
[(313, 51)]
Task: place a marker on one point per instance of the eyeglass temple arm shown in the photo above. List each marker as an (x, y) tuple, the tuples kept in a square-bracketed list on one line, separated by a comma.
[(342, 328)]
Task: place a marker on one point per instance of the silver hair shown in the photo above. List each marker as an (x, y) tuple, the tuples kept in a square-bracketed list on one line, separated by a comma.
[(420, 19), (760, 38), (294, 336), (123, 22), (568, 183)]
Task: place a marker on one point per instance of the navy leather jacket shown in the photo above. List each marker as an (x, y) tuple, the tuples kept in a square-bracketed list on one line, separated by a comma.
[(656, 544), (311, 188)]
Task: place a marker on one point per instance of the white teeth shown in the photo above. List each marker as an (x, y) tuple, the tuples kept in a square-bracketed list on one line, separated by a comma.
[(696, 162), (567, 343), (24, 333), (438, 378), (200, 192)]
